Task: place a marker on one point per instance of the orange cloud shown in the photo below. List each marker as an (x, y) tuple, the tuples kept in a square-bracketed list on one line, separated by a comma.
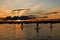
[(6, 12), (3, 11), (54, 16), (53, 10)]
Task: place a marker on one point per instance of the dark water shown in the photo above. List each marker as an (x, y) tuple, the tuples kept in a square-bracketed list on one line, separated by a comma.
[(14, 32)]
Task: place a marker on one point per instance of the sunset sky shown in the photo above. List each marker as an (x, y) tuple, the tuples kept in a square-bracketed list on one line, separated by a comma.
[(34, 5)]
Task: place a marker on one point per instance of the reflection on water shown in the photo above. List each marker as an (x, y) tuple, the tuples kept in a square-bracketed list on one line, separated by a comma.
[(29, 32)]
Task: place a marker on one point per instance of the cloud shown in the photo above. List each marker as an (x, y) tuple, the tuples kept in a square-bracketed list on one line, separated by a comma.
[(54, 16), (53, 10), (37, 9), (18, 3), (3, 11)]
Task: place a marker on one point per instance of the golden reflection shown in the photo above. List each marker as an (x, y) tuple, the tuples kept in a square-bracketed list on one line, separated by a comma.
[(11, 31)]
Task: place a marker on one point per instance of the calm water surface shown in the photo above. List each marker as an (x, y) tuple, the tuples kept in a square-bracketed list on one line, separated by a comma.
[(14, 32)]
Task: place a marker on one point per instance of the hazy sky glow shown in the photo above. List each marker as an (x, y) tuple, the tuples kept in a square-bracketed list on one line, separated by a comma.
[(35, 4)]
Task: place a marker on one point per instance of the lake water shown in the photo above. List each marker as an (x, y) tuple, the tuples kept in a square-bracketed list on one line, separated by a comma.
[(14, 32)]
